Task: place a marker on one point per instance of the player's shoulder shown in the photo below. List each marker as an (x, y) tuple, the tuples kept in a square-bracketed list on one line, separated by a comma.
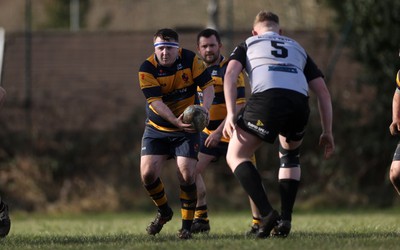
[(149, 65)]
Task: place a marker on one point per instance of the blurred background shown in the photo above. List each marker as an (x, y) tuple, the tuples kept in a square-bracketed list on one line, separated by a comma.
[(71, 125)]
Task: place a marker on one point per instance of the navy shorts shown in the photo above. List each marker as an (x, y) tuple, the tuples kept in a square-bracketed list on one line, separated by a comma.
[(180, 143), (220, 150), (275, 111)]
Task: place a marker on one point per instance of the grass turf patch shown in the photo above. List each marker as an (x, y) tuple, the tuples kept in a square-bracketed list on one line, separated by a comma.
[(319, 230)]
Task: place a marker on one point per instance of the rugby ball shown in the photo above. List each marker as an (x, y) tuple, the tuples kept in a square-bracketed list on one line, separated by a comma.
[(197, 116)]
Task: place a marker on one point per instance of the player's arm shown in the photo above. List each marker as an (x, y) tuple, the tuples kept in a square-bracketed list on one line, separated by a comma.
[(208, 96), (395, 125), (318, 86), (233, 70), (165, 112), (153, 94)]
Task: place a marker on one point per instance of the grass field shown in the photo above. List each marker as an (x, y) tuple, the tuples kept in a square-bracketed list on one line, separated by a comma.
[(378, 229)]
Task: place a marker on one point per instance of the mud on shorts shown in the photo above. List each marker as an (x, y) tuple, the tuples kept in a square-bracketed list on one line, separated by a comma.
[(180, 143), (275, 111)]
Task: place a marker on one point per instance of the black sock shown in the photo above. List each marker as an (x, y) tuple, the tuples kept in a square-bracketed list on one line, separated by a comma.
[(288, 190), (251, 181)]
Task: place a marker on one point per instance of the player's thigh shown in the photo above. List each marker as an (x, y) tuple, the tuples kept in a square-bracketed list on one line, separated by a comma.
[(150, 167), (395, 169), (204, 161), (241, 147)]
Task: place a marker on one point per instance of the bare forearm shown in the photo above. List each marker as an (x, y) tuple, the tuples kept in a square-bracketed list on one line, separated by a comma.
[(208, 97), (396, 106), (164, 111), (232, 73), (325, 110)]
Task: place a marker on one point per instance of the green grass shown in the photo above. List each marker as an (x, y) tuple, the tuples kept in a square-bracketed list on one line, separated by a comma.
[(317, 230)]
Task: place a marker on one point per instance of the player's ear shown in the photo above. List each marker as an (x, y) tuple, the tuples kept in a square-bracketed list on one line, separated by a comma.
[(254, 32), (280, 31)]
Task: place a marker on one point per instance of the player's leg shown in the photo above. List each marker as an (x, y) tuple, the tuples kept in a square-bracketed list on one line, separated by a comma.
[(150, 168), (289, 179), (256, 217), (188, 193), (186, 151), (241, 148), (5, 222), (201, 222), (153, 156), (394, 174)]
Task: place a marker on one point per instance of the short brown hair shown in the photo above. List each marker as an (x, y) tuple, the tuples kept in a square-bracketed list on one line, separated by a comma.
[(266, 16), (167, 35)]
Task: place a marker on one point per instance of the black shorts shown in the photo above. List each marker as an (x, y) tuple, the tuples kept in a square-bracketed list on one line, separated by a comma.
[(220, 150), (396, 155), (156, 142), (273, 112)]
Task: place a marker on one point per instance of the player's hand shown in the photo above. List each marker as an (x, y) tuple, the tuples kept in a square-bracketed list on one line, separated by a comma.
[(184, 126), (326, 141), (394, 128), (229, 126), (213, 139)]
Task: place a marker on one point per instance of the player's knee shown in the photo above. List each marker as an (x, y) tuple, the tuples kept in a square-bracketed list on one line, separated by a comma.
[(186, 177), (148, 177), (289, 158)]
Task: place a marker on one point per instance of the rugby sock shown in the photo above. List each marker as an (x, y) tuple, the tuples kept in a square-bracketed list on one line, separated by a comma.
[(288, 190), (188, 197), (251, 181), (256, 221), (201, 213), (157, 193)]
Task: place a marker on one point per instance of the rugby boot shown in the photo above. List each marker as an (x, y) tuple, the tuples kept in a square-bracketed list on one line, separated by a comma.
[(282, 229), (157, 224), (200, 226), (184, 234), (267, 224), (253, 230)]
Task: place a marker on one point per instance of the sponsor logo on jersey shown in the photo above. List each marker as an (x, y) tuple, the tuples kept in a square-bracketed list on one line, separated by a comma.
[(185, 77)]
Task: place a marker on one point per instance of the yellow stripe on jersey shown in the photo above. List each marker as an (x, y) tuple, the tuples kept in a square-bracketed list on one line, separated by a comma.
[(176, 86), (398, 79)]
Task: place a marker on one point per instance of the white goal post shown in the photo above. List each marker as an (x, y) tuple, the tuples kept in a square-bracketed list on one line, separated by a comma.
[(2, 41)]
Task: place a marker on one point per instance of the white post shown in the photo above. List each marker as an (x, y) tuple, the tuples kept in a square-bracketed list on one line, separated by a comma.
[(2, 42), (74, 15)]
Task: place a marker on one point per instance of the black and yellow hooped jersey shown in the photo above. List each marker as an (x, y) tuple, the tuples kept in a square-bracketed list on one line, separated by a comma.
[(398, 79), (218, 108), (176, 86)]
